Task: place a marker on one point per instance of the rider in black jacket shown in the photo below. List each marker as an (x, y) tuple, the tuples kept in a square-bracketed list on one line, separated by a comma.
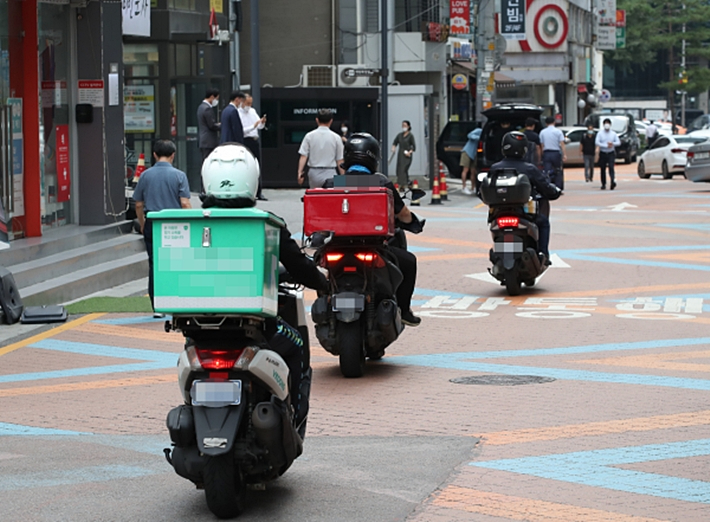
[(362, 153), (515, 145), (233, 183)]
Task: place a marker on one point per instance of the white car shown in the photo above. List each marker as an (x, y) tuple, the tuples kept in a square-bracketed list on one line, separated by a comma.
[(667, 156)]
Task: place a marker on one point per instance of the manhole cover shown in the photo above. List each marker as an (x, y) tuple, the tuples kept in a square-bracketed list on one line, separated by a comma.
[(502, 380)]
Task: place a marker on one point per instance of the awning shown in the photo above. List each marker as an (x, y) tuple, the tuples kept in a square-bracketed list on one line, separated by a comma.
[(502, 80)]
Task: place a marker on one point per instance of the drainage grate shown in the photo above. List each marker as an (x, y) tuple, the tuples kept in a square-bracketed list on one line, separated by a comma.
[(502, 380)]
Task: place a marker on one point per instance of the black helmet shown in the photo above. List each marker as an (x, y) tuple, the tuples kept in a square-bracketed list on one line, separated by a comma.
[(514, 145), (362, 149)]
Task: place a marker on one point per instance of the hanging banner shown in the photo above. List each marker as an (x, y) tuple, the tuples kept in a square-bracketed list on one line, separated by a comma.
[(61, 133), (136, 17), (460, 15), (512, 19)]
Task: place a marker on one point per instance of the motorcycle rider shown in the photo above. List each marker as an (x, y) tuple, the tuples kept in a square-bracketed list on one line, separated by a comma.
[(230, 177), (514, 147), (361, 156)]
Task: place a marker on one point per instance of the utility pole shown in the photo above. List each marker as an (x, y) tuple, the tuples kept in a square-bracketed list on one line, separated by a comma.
[(235, 13), (684, 79), (255, 70), (485, 46), (383, 103)]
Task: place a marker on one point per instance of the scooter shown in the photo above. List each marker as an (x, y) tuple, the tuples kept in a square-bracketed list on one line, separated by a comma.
[(236, 428), (359, 318), (511, 220)]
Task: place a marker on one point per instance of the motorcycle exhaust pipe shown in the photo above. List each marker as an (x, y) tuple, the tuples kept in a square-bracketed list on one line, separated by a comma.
[(266, 420)]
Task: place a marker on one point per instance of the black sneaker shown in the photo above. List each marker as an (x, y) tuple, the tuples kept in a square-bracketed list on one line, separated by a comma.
[(613, 185), (410, 319), (603, 187)]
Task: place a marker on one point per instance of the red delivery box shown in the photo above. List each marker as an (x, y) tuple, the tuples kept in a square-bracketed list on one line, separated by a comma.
[(361, 211)]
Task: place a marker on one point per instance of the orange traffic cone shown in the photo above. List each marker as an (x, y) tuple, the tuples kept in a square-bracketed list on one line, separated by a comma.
[(435, 196), (139, 168), (415, 185), (442, 183)]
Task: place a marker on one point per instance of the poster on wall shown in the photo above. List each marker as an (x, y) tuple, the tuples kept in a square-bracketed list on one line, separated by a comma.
[(460, 16), (91, 92), (61, 133), (136, 17), (139, 108), (18, 168)]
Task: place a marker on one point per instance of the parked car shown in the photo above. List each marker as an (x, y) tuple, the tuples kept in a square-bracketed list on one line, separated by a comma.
[(690, 115), (697, 166), (699, 123), (625, 126), (667, 156), (489, 151), (573, 135), (450, 144)]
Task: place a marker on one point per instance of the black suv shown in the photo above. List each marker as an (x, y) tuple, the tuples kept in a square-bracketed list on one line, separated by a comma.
[(454, 136), (625, 126)]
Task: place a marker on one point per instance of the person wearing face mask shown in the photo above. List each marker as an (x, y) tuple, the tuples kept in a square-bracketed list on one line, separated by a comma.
[(405, 141), (607, 140), (345, 132), (588, 148), (232, 131), (207, 123)]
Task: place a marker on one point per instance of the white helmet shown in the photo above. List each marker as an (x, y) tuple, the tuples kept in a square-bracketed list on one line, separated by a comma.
[(231, 172)]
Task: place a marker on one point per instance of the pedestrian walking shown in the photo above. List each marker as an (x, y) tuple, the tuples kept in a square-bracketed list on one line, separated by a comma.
[(251, 125), (405, 141), (345, 131), (553, 152), (322, 151), (607, 140), (160, 187), (468, 161), (207, 123), (232, 130), (534, 153), (588, 148), (651, 134)]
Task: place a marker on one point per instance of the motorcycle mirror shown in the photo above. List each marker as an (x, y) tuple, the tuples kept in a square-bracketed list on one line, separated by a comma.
[(417, 194)]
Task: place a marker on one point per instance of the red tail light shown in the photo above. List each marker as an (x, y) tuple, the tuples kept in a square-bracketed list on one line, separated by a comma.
[(480, 147), (332, 258), (679, 151), (691, 155), (508, 222), (217, 359), (370, 258)]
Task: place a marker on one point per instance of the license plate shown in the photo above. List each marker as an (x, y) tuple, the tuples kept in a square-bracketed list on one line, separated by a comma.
[(343, 303), (701, 155), (216, 393), (508, 247)]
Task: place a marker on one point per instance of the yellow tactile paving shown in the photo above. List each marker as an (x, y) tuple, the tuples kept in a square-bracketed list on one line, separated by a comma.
[(656, 422), (89, 385), (49, 333), (658, 361), (525, 509)]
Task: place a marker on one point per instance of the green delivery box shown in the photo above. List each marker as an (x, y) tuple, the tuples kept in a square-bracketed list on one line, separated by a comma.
[(216, 260)]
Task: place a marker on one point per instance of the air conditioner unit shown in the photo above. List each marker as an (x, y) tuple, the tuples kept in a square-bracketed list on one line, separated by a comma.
[(350, 81), (318, 76)]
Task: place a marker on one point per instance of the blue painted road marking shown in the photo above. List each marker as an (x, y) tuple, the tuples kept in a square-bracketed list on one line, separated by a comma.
[(592, 255), (596, 468), (8, 429), (53, 478)]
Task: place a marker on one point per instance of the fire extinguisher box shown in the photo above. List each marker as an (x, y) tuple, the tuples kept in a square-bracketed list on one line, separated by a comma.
[(365, 211), (216, 261)]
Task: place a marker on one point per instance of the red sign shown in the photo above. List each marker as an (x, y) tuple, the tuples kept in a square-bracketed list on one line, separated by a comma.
[(62, 158), (620, 18), (460, 16), (91, 84)]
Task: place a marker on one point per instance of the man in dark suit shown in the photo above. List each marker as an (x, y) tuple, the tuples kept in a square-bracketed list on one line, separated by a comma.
[(207, 123), (232, 131)]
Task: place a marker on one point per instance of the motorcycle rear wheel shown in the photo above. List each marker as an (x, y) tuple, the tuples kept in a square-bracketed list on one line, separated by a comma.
[(352, 356), (225, 489), (512, 282)]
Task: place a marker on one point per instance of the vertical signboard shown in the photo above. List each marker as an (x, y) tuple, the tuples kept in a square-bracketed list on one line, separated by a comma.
[(512, 19), (18, 167), (136, 17), (62, 158), (460, 15), (607, 12)]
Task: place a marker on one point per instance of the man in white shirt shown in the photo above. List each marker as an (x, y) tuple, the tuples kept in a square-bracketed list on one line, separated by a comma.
[(252, 124), (607, 141), (553, 152), (651, 134), (322, 150)]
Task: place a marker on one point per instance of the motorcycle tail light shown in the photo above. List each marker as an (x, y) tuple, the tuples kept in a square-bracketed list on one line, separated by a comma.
[(245, 358), (332, 258), (370, 258), (508, 222), (221, 359)]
